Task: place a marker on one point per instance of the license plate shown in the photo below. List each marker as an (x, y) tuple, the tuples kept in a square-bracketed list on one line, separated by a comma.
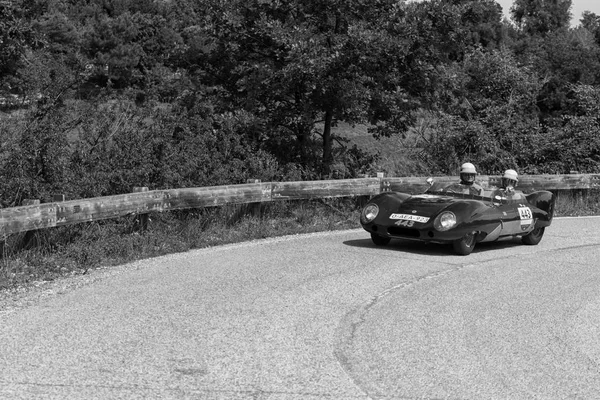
[(410, 217)]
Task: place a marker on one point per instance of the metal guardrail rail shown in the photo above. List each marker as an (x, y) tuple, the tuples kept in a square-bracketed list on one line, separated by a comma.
[(47, 215)]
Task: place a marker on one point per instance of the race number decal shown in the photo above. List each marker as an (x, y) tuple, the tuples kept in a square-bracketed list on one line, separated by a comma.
[(526, 217), (525, 213), (404, 222)]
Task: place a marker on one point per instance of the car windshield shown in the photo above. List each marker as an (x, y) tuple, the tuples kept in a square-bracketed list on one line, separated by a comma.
[(466, 192), (449, 188)]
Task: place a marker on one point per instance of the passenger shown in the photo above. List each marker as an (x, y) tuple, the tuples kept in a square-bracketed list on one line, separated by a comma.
[(508, 183)]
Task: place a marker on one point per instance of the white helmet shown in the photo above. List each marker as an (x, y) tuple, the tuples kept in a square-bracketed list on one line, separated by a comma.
[(467, 168), (510, 178), (511, 174)]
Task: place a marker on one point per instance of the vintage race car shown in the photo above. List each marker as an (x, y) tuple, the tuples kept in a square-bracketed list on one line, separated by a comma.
[(448, 213)]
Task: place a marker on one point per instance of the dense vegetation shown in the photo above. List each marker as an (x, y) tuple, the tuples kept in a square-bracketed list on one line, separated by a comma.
[(99, 96)]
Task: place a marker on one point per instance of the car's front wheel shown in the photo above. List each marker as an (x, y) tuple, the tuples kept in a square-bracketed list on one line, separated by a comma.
[(465, 245), (533, 237), (380, 240)]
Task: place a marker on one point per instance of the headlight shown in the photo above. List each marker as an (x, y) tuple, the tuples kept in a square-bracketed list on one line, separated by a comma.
[(444, 221), (369, 213)]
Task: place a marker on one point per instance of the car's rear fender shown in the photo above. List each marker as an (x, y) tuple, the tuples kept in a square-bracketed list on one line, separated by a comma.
[(544, 200)]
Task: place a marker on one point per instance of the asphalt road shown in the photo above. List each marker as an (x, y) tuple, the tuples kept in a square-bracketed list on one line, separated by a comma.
[(318, 316)]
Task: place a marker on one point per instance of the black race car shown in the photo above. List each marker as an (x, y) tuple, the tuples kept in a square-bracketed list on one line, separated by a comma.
[(448, 213)]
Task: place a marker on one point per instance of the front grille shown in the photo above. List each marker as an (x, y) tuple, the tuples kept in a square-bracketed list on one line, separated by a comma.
[(404, 232)]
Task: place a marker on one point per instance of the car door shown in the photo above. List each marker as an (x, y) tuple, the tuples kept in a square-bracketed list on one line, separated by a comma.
[(516, 216)]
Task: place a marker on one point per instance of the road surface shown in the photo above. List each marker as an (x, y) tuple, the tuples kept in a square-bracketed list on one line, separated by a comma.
[(318, 316)]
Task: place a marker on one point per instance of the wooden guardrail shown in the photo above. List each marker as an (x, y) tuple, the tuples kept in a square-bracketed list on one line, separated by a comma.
[(59, 213)]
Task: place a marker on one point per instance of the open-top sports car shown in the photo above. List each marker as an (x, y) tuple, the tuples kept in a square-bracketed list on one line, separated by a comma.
[(446, 214)]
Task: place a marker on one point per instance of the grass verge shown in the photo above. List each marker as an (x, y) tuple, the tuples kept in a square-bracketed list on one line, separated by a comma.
[(70, 250)]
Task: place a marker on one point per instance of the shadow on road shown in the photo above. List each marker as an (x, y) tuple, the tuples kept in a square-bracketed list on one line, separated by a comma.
[(416, 247)]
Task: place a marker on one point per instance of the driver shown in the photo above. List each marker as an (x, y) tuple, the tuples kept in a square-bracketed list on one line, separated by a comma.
[(467, 179)]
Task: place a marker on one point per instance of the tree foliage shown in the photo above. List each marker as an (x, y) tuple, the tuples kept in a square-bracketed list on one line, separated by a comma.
[(17, 38), (541, 17), (112, 94), (303, 65)]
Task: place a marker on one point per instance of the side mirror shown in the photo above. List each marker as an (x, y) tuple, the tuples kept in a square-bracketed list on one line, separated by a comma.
[(430, 181)]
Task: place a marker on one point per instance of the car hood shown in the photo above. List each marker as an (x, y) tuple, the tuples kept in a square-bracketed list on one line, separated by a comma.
[(422, 205), (425, 204)]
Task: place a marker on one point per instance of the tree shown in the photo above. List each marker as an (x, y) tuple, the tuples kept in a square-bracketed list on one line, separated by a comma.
[(591, 22), (564, 58), (541, 17), (442, 33), (487, 113), (124, 43), (574, 145), (299, 65), (450, 28), (17, 38)]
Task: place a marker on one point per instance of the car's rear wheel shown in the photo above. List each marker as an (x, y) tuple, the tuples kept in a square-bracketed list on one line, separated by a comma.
[(465, 245), (533, 237), (380, 240)]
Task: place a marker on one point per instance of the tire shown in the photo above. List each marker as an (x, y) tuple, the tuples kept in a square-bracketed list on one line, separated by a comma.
[(465, 245), (533, 237), (380, 240)]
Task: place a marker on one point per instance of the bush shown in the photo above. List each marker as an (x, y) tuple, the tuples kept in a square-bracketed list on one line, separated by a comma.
[(572, 143), (87, 150)]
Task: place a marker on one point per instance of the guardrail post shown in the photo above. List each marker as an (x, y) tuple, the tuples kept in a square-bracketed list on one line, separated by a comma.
[(385, 185), (141, 221), (30, 239), (254, 208)]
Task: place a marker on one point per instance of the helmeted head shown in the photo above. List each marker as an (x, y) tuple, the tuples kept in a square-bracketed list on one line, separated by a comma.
[(510, 179), (467, 174)]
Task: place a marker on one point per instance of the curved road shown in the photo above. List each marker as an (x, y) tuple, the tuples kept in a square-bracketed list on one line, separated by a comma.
[(318, 316)]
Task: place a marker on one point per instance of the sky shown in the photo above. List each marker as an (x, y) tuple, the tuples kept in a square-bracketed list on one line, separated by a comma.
[(578, 7)]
